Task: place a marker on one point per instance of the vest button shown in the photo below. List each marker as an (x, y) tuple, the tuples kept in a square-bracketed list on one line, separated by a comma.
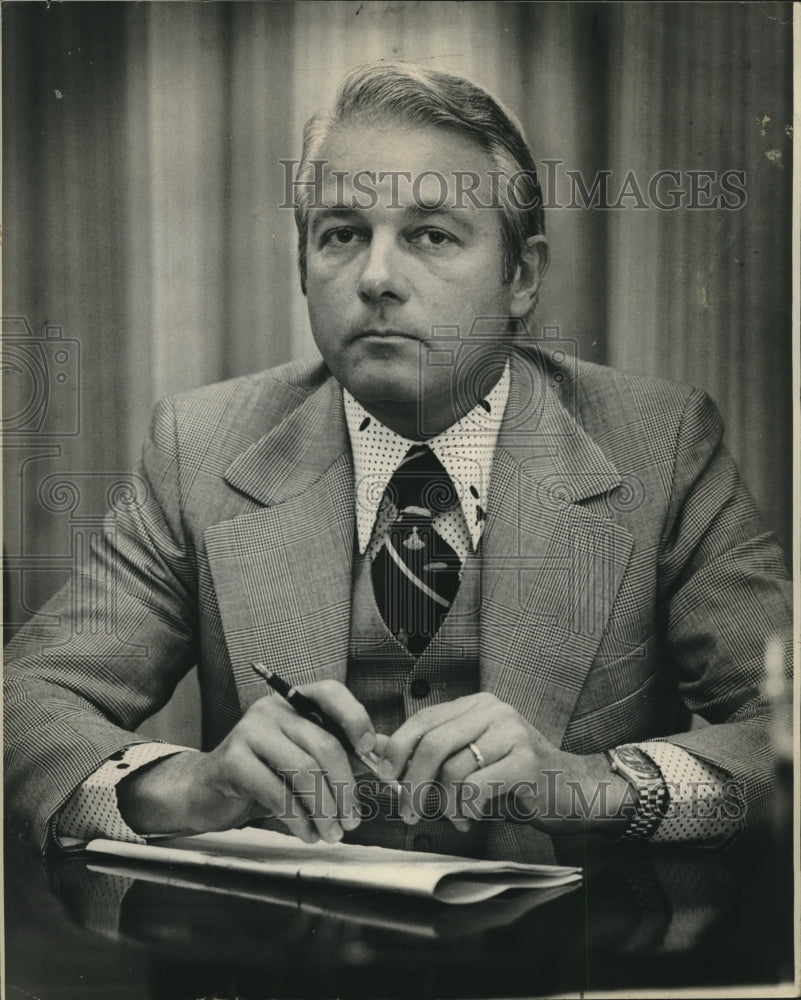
[(420, 687), (422, 842)]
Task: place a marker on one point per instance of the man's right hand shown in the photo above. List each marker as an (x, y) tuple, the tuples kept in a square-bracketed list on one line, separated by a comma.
[(272, 763)]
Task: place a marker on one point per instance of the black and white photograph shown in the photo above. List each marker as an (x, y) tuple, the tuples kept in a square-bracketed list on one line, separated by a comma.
[(399, 528)]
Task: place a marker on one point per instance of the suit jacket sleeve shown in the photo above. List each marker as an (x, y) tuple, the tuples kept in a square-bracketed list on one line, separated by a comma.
[(124, 637), (723, 591)]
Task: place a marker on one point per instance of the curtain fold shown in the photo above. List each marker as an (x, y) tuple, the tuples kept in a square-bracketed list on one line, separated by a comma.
[(697, 294)]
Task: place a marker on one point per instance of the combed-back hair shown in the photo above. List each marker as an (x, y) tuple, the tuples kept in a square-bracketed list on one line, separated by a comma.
[(416, 95)]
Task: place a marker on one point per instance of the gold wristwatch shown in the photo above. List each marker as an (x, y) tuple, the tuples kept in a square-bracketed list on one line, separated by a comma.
[(653, 797)]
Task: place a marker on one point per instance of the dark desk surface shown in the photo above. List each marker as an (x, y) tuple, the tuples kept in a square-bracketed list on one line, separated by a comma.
[(642, 919)]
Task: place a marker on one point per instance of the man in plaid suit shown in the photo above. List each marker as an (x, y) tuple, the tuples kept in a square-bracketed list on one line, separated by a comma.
[(613, 575)]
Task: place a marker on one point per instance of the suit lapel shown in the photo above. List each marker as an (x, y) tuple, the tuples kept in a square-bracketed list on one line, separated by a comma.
[(282, 572), (551, 566)]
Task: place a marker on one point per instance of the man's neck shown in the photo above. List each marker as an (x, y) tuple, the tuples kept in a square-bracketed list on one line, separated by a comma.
[(430, 417)]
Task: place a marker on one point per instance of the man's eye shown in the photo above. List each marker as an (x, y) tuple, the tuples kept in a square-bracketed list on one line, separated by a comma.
[(432, 238), (340, 237)]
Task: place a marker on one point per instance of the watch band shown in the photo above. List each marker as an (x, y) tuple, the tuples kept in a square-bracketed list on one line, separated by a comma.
[(653, 797)]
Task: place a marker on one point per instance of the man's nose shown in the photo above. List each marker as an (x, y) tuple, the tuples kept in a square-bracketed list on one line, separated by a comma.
[(382, 276)]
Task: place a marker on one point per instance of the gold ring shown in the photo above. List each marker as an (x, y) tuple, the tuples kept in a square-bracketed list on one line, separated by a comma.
[(477, 754)]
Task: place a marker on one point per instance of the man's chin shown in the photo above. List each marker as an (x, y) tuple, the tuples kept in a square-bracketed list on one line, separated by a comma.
[(396, 392), (394, 398)]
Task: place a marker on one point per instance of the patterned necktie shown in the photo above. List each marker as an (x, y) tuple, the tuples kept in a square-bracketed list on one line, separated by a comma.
[(415, 572)]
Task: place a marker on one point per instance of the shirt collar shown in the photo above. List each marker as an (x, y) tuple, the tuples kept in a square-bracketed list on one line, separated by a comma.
[(466, 450)]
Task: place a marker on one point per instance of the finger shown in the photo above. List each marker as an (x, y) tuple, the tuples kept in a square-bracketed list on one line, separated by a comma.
[(463, 773), (311, 790), (434, 749), (444, 741), (338, 702), (497, 781), (334, 792), (282, 748), (287, 746), (456, 776), (403, 742), (502, 757), (255, 780), (272, 721)]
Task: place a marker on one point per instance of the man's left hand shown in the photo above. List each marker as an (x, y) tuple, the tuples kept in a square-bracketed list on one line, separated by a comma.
[(513, 757)]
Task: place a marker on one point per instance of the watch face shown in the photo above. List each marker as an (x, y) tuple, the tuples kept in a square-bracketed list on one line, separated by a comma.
[(636, 761)]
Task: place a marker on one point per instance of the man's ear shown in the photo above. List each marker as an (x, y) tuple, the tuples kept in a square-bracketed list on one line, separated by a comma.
[(528, 275)]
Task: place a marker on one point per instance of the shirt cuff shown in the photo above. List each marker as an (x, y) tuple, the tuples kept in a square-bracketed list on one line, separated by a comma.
[(93, 811), (696, 813)]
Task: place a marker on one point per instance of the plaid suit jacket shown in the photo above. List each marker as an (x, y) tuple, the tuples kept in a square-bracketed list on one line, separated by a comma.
[(626, 578)]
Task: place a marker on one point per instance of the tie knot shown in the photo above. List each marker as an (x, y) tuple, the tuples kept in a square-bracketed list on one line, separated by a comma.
[(421, 485)]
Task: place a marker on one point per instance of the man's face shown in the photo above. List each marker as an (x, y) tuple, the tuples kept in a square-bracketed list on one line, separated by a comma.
[(385, 266)]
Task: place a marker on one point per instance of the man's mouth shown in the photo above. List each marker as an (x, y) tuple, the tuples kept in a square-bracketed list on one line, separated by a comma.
[(385, 334)]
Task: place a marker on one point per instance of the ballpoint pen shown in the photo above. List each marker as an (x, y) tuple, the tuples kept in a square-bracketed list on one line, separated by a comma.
[(310, 710)]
